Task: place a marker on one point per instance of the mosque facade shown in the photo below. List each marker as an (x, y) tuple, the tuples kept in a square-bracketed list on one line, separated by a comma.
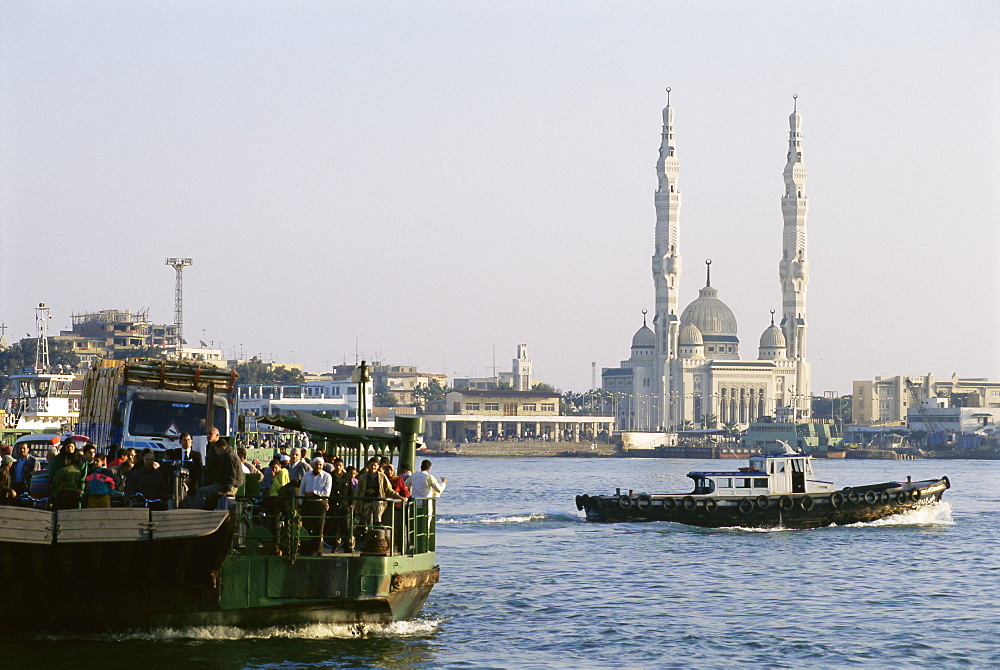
[(686, 370)]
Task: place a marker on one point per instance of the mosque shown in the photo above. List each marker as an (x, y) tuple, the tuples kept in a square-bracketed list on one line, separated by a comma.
[(686, 370)]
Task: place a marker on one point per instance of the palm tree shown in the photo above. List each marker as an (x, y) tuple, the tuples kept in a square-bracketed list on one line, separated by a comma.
[(709, 420)]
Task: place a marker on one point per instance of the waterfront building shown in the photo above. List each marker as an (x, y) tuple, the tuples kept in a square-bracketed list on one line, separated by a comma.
[(400, 381), (98, 334), (888, 400), (334, 399), (520, 378), (687, 368), (500, 414)]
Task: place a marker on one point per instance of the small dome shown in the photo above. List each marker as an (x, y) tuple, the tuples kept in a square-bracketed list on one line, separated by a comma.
[(644, 337), (709, 314), (772, 337), (690, 336)]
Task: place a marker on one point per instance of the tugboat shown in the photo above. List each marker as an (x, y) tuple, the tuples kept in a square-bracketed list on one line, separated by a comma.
[(775, 491)]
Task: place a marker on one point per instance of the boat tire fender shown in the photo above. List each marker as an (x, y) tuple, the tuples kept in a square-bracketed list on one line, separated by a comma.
[(947, 482), (643, 502), (786, 503), (624, 502), (807, 502), (670, 504), (690, 503), (711, 505), (763, 502), (884, 498), (746, 506), (854, 497), (871, 497), (579, 503), (915, 495), (837, 499)]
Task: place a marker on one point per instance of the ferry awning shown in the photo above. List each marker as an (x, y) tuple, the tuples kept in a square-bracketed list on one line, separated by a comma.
[(325, 431)]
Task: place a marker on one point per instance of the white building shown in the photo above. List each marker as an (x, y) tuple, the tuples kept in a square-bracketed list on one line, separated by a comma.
[(687, 366), (338, 399)]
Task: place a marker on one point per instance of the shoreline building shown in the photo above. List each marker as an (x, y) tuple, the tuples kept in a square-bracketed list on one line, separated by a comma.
[(687, 369)]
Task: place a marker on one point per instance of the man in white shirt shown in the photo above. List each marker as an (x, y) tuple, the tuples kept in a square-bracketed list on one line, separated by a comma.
[(315, 491), (423, 485)]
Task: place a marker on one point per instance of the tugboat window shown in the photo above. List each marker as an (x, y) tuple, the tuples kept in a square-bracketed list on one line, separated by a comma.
[(742, 483), (760, 483)]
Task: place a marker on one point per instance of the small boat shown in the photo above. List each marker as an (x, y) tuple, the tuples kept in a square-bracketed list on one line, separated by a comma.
[(775, 491)]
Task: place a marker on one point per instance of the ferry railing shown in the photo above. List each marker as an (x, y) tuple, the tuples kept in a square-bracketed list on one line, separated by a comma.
[(283, 524)]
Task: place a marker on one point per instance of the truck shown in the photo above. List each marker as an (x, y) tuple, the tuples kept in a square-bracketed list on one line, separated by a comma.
[(147, 402)]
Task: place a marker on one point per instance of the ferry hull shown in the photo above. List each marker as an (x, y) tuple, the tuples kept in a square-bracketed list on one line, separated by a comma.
[(797, 510)]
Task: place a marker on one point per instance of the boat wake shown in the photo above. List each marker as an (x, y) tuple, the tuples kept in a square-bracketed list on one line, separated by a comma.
[(317, 631), (506, 518), (933, 513)]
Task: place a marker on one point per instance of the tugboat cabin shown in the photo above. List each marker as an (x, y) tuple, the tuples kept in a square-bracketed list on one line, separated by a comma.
[(767, 474)]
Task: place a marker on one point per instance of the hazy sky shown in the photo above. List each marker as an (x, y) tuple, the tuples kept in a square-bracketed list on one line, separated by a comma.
[(421, 181)]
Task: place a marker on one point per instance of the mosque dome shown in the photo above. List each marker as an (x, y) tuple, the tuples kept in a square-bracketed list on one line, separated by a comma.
[(690, 336), (772, 337), (644, 337), (710, 315)]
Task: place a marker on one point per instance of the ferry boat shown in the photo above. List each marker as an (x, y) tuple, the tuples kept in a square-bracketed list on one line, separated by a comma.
[(233, 566), (775, 491)]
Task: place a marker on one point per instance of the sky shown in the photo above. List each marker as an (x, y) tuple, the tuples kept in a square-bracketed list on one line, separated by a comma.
[(433, 183)]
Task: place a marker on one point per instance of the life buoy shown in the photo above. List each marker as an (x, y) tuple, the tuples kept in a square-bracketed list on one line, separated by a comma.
[(624, 502), (884, 497), (854, 497), (579, 503), (763, 502), (786, 503), (670, 504), (915, 495), (711, 505), (870, 497), (836, 499), (746, 505), (690, 503), (643, 502), (807, 502)]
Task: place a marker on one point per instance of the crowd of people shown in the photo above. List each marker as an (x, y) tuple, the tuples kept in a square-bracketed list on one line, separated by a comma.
[(331, 494)]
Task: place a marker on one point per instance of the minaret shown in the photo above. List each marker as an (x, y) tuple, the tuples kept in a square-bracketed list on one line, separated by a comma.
[(666, 260), (794, 268)]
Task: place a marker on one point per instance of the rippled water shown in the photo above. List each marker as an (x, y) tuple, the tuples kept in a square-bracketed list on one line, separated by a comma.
[(526, 582)]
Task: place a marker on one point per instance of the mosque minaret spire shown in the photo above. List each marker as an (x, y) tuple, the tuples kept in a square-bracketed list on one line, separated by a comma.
[(793, 269), (666, 255)]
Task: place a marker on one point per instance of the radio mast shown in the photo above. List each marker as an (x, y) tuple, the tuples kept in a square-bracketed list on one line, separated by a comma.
[(179, 264)]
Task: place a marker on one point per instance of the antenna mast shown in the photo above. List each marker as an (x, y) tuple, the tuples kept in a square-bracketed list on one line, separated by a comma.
[(179, 264), (42, 317)]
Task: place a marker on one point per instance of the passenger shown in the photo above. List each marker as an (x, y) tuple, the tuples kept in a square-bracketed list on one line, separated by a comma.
[(55, 465), (423, 484), (208, 473), (315, 490), (398, 483), (341, 492), (248, 468), (227, 473), (23, 470), (297, 468), (7, 492), (99, 484), (372, 488), (147, 480), (67, 484), (276, 501), (399, 487), (88, 452), (191, 461)]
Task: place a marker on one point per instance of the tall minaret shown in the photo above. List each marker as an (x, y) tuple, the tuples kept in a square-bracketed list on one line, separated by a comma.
[(666, 261), (794, 268)]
